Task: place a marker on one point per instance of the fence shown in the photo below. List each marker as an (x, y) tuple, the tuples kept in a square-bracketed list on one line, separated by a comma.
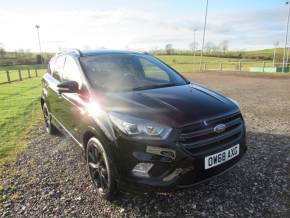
[(237, 66), (8, 76)]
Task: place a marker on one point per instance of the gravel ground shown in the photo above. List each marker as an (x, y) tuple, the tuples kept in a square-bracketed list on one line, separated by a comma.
[(49, 178)]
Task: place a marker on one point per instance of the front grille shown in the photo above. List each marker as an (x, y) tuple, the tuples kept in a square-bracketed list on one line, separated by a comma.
[(200, 137)]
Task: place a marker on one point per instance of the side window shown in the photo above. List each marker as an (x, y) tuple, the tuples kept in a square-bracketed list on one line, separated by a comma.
[(58, 66), (50, 66), (153, 72), (71, 71)]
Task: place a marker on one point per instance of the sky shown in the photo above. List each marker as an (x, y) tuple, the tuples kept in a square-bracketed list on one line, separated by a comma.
[(140, 24)]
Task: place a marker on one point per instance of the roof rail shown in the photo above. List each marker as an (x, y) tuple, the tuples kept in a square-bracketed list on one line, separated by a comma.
[(67, 51)]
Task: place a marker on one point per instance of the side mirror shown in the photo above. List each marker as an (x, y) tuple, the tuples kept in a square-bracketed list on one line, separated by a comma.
[(68, 87)]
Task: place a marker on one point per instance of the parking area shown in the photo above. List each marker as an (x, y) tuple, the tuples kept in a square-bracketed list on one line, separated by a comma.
[(50, 177)]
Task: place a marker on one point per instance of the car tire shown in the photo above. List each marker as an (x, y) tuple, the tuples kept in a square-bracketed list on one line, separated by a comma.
[(100, 168), (49, 127)]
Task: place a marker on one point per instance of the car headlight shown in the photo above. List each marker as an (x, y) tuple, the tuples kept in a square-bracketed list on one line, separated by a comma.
[(139, 128)]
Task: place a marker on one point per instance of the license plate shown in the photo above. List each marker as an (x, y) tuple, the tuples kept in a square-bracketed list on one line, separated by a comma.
[(221, 157)]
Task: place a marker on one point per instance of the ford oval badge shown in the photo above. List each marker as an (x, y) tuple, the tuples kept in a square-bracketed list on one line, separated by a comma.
[(219, 128)]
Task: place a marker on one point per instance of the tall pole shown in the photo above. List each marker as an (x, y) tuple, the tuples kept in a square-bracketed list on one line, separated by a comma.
[(276, 44), (286, 38), (203, 37), (194, 47), (274, 57), (194, 42), (287, 56), (40, 50)]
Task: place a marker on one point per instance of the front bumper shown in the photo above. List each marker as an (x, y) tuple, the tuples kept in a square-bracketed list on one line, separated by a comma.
[(168, 174)]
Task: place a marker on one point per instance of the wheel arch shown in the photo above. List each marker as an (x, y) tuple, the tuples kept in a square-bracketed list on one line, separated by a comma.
[(87, 136), (94, 132), (108, 144)]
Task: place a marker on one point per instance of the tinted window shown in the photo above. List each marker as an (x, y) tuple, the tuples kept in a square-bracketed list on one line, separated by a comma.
[(50, 66), (122, 72)]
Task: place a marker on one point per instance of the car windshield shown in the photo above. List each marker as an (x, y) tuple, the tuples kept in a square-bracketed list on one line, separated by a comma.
[(128, 72)]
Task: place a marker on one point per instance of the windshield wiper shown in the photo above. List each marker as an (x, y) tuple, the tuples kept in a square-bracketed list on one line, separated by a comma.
[(155, 86)]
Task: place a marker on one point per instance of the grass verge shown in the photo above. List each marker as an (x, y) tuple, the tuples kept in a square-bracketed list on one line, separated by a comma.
[(19, 113)]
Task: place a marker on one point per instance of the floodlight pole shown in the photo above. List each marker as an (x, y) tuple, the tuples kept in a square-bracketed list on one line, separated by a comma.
[(287, 56), (286, 38), (274, 56), (40, 50), (194, 42), (203, 37)]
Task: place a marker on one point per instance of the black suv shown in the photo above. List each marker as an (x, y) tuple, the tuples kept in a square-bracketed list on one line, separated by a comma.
[(142, 125)]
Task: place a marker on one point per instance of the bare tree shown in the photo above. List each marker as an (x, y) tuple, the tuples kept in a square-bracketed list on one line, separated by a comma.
[(193, 46), (210, 46), (224, 45), (169, 49)]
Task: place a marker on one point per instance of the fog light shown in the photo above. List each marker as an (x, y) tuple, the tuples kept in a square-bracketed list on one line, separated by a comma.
[(142, 169), (166, 152)]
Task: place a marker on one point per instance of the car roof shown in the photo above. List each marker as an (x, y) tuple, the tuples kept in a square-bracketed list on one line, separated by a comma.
[(105, 51), (83, 53)]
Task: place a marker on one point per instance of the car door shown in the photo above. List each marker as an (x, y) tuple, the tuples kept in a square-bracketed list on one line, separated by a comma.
[(73, 104)]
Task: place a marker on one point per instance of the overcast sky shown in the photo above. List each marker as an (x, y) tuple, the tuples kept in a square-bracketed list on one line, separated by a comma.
[(140, 24)]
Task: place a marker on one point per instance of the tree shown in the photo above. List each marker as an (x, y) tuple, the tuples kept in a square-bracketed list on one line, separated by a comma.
[(224, 46), (169, 49), (2, 50), (210, 46), (193, 46), (39, 59), (276, 43)]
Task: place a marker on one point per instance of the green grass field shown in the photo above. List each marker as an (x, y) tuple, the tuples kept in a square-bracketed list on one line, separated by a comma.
[(187, 63), (19, 111)]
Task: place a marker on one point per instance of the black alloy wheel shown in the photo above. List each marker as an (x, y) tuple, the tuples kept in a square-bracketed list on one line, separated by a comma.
[(100, 170)]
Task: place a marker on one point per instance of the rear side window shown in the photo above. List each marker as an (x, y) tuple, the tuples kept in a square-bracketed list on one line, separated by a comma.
[(49, 66), (57, 68)]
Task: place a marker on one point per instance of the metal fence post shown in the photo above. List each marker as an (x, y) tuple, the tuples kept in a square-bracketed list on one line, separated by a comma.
[(19, 74), (8, 76), (29, 76), (204, 66), (240, 66), (200, 67), (264, 64), (221, 66), (36, 74)]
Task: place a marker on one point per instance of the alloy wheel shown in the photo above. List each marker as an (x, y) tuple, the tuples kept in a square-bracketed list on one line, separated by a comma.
[(98, 169)]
